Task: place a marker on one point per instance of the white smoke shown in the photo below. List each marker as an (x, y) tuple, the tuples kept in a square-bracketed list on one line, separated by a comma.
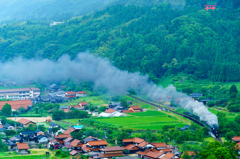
[(87, 67)]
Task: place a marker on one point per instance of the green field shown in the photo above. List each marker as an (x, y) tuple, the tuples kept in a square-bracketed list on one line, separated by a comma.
[(230, 115), (153, 120)]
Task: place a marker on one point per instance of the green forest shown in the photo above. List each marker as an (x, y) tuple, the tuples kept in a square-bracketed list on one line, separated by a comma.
[(158, 40)]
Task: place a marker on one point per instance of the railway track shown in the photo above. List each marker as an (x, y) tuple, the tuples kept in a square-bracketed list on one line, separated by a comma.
[(157, 106), (185, 116)]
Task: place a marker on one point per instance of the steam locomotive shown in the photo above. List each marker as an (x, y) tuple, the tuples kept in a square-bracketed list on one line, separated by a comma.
[(213, 129)]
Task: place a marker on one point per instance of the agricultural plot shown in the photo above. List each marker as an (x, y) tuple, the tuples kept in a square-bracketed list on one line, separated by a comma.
[(153, 120)]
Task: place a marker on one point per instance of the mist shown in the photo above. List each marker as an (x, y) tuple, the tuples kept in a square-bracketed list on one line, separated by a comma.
[(100, 71)]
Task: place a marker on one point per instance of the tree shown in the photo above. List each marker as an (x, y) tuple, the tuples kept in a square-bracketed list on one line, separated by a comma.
[(237, 119), (124, 103), (6, 110), (233, 91), (234, 104), (21, 109), (186, 155), (230, 135), (217, 150), (58, 115)]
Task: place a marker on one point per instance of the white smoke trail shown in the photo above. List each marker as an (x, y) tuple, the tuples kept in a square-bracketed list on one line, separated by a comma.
[(87, 67)]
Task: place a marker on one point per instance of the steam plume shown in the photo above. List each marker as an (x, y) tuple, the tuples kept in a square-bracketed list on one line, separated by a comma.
[(87, 67)]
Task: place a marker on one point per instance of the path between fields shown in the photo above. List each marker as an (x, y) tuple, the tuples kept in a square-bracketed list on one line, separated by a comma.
[(34, 119)]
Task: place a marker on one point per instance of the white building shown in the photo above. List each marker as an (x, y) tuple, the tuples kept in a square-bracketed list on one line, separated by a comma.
[(81, 94), (20, 93)]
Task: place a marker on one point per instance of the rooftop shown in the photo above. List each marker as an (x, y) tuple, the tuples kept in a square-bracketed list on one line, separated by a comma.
[(22, 146), (110, 111), (16, 104), (96, 143), (24, 121)]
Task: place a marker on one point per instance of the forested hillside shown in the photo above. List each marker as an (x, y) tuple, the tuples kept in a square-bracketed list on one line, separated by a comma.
[(157, 40)]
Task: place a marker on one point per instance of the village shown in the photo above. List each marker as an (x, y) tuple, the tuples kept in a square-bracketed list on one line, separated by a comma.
[(21, 134)]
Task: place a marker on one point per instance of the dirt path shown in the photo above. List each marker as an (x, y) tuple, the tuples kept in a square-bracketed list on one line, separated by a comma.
[(34, 119)]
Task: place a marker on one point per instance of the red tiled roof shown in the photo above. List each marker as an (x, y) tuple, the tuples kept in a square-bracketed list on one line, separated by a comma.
[(22, 146), (16, 104), (66, 110), (127, 111), (81, 92), (168, 156), (97, 143), (70, 93), (83, 103), (150, 153), (24, 121), (166, 150), (85, 148), (69, 130), (130, 147), (110, 110), (112, 148), (76, 143), (143, 144), (73, 152), (159, 144), (136, 140), (1, 126), (62, 136), (135, 107), (236, 138)]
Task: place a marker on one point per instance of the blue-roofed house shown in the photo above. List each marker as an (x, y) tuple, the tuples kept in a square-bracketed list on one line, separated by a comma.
[(196, 95)]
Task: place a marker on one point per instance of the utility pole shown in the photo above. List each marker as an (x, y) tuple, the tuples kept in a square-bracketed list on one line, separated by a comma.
[(37, 124), (15, 123)]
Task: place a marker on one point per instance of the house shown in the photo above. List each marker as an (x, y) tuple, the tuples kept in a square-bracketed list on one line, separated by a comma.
[(159, 146), (109, 152), (83, 104), (15, 105), (27, 135), (127, 111), (81, 94), (53, 125), (236, 139), (70, 94), (78, 107), (135, 141), (42, 139), (61, 137), (112, 105), (145, 145), (55, 23), (186, 127), (2, 130), (22, 148), (9, 127), (205, 101), (131, 148), (54, 88), (152, 154), (76, 144), (55, 144), (94, 145), (73, 153), (25, 122), (168, 156), (195, 95), (69, 130), (190, 153), (95, 113), (135, 108), (67, 142), (90, 138), (111, 113)]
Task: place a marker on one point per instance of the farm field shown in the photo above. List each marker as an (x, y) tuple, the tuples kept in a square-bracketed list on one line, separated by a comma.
[(152, 120)]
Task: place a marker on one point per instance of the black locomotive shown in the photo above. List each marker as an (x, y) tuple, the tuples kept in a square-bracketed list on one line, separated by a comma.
[(213, 129)]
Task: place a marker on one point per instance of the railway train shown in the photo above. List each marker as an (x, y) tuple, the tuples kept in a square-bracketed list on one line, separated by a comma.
[(213, 129)]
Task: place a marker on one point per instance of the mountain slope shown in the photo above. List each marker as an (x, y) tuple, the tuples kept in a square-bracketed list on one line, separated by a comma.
[(152, 39)]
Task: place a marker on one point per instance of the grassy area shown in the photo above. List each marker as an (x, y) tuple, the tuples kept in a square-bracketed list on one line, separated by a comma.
[(35, 154), (230, 115), (153, 120), (94, 100)]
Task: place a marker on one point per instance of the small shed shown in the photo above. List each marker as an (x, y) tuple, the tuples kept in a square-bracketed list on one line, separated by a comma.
[(22, 148)]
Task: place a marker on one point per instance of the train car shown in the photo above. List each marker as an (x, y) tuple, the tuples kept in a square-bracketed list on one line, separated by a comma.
[(191, 115), (214, 130)]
